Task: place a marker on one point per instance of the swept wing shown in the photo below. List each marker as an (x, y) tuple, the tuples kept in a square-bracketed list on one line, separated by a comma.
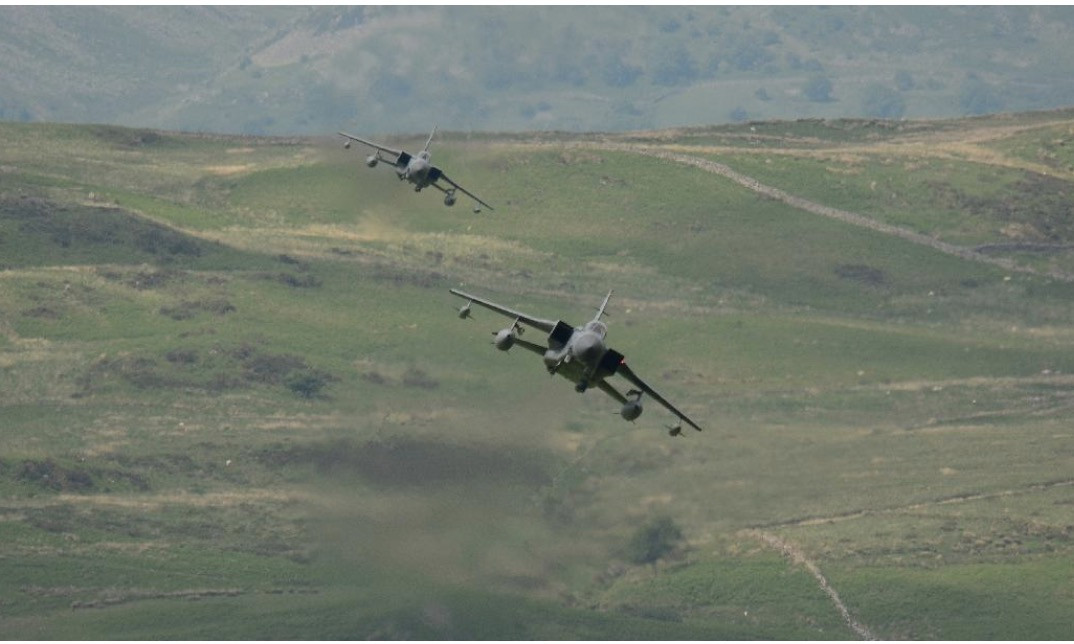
[(537, 323), (629, 374), (440, 176), (399, 157), (612, 391)]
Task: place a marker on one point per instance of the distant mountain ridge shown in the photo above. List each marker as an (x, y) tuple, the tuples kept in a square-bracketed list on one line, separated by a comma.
[(310, 70)]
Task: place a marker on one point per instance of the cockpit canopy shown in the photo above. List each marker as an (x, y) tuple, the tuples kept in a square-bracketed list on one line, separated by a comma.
[(598, 327)]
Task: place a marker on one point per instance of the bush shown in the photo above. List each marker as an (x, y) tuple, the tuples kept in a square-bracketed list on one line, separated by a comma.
[(308, 384), (415, 377), (654, 540)]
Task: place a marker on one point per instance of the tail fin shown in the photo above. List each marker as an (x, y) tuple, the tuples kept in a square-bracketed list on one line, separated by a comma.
[(427, 143), (604, 305)]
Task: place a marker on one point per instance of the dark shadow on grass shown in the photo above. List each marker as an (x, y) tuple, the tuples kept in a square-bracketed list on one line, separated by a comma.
[(415, 462)]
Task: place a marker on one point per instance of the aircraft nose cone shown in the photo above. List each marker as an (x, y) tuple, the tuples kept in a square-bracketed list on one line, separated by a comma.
[(588, 348)]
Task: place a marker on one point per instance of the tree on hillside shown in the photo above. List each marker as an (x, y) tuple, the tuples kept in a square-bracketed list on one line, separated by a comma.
[(617, 73), (749, 56), (674, 66), (883, 103), (818, 89), (978, 97), (569, 63)]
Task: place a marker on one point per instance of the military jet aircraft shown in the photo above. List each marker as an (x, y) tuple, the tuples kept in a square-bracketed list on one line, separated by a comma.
[(417, 169), (578, 354)]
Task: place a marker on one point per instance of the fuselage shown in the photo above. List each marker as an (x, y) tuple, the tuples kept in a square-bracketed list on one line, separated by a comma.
[(581, 354), (417, 169)]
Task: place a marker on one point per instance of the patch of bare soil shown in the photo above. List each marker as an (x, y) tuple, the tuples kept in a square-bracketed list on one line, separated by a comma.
[(799, 558)]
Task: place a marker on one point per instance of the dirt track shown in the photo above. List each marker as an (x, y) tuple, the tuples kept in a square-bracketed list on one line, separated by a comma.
[(958, 498), (854, 219), (798, 557)]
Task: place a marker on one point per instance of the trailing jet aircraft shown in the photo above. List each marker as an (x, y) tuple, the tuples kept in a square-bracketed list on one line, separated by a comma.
[(417, 169)]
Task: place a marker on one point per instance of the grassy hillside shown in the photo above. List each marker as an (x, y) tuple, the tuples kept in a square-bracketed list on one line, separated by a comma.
[(237, 402), (311, 70)]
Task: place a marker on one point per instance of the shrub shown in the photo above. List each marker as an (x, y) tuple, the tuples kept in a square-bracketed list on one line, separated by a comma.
[(415, 377), (307, 384), (654, 540)]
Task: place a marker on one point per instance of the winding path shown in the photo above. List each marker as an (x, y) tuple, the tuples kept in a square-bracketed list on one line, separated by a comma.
[(788, 549), (798, 557), (854, 219), (950, 500)]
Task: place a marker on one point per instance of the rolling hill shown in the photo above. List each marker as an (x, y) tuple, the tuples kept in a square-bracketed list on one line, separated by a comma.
[(396, 69), (237, 403)]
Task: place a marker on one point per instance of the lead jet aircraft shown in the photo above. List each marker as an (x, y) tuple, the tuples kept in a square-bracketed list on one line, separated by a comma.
[(579, 354), (417, 169)]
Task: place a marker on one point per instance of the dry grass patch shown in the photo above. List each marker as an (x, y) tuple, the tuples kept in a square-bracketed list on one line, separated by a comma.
[(229, 170), (149, 502)]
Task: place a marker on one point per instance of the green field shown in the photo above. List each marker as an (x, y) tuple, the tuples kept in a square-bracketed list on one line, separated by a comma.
[(236, 403)]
